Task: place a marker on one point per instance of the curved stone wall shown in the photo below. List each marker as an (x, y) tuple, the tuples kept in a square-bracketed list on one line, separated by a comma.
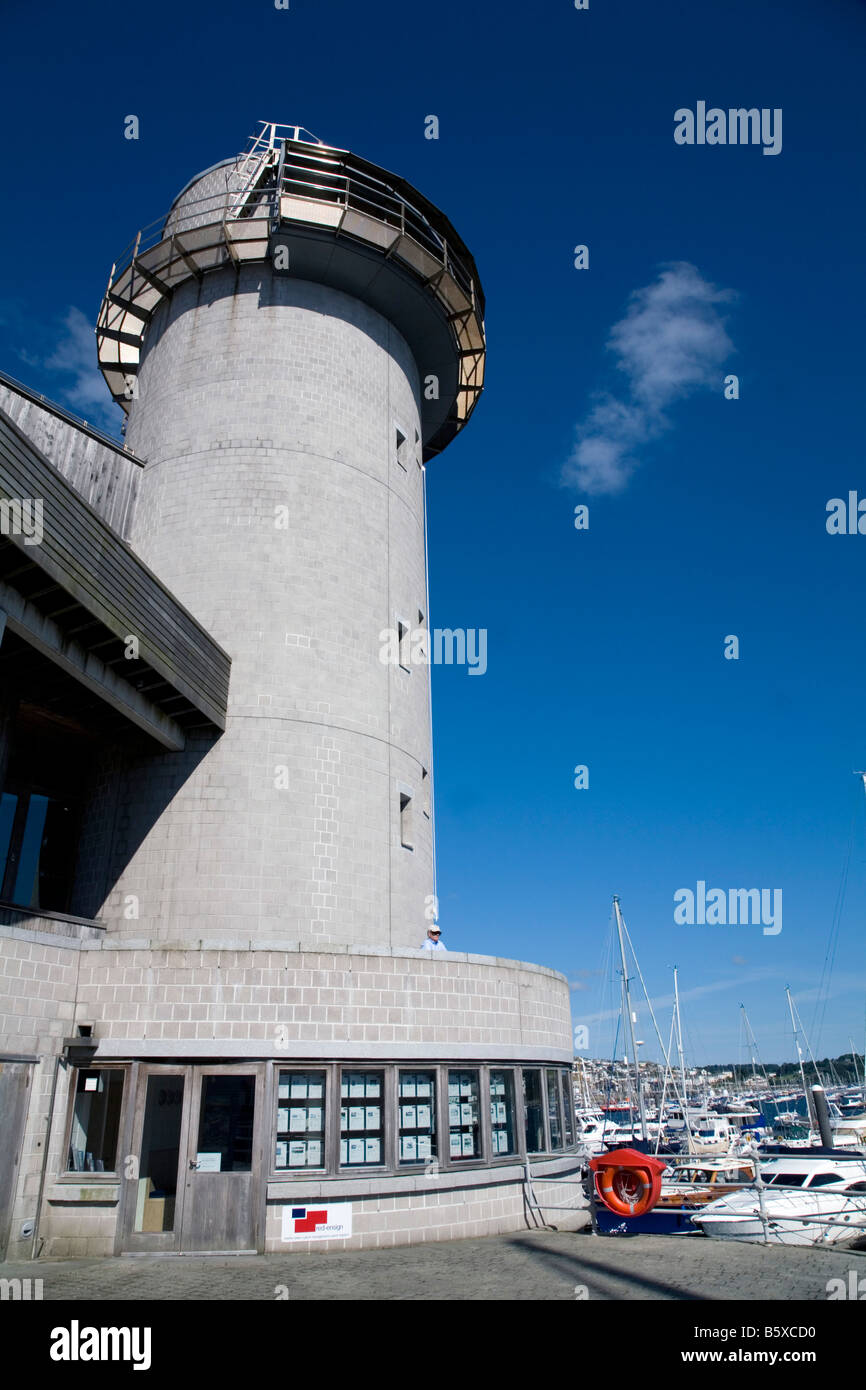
[(276, 506)]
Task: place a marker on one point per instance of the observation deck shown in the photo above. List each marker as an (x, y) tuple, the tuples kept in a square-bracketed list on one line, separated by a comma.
[(342, 221)]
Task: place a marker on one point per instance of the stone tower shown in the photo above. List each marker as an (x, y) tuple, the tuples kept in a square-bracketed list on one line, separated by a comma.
[(229, 1037), (305, 333)]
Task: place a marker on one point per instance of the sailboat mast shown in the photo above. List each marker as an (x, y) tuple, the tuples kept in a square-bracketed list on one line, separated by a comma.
[(753, 1049), (627, 1008), (680, 1048), (799, 1054)]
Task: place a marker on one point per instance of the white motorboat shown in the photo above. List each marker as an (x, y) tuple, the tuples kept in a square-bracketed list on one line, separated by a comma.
[(808, 1199)]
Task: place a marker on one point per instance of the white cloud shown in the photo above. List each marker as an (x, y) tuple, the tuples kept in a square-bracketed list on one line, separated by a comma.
[(671, 342), (75, 355)]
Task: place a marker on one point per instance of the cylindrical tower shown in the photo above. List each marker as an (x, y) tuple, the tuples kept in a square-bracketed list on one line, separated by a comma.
[(252, 1018), (304, 331)]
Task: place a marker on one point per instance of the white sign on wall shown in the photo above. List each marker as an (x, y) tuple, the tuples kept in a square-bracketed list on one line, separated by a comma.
[(318, 1221)]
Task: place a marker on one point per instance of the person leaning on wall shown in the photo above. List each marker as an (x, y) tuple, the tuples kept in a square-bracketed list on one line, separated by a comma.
[(433, 943)]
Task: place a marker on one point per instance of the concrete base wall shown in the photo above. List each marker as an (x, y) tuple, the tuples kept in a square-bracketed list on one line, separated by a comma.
[(153, 1001), (454, 1214)]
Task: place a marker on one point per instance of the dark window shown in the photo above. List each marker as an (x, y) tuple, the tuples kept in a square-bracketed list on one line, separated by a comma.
[(568, 1107), (95, 1121), (534, 1110), (160, 1152), (226, 1122), (47, 780), (554, 1114), (407, 839)]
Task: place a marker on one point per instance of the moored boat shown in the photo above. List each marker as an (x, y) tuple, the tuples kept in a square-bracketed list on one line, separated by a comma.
[(815, 1197)]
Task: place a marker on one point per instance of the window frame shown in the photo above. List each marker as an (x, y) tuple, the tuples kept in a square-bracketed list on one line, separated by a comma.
[(85, 1175), (325, 1071), (391, 1167)]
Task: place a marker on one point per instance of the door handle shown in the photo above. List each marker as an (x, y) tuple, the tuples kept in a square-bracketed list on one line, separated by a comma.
[(193, 1164)]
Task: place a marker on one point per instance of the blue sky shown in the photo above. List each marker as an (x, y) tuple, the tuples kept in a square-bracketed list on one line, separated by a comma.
[(605, 646)]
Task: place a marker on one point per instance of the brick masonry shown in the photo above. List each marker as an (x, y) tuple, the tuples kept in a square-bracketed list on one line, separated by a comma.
[(274, 506), (255, 886)]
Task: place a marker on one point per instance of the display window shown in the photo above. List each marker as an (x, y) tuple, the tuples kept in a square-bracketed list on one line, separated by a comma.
[(397, 1117), (502, 1131), (416, 1100), (464, 1115), (301, 1097), (362, 1119)]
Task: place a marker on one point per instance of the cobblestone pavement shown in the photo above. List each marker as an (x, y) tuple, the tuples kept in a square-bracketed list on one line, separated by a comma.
[(528, 1266)]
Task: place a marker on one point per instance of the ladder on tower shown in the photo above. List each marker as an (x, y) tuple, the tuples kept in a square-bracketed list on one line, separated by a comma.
[(254, 170)]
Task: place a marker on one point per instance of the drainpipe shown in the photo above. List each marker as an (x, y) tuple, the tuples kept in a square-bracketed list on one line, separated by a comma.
[(57, 1061)]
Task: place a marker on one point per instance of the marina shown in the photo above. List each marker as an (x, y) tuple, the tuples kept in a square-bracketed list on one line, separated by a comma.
[(668, 1152)]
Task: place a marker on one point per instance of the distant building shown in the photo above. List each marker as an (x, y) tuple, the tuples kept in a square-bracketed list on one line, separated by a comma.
[(217, 1031)]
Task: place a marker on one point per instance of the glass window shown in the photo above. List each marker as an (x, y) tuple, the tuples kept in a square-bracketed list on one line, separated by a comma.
[(464, 1115), (502, 1113), (225, 1125), (160, 1147), (95, 1121), (8, 807), (417, 1101), (554, 1110), (300, 1119), (37, 840), (534, 1111), (362, 1122), (25, 890), (406, 836), (568, 1107)]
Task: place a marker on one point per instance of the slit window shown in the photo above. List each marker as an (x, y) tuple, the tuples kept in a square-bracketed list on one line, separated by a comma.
[(407, 839), (400, 447), (404, 645)]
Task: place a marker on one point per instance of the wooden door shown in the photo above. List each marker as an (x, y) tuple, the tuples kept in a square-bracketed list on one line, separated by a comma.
[(153, 1188), (224, 1160)]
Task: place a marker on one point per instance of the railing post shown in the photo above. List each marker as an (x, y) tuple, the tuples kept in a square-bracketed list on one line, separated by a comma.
[(762, 1201)]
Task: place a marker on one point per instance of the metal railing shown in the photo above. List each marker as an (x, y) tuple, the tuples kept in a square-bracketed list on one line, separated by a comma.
[(69, 416), (328, 176)]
